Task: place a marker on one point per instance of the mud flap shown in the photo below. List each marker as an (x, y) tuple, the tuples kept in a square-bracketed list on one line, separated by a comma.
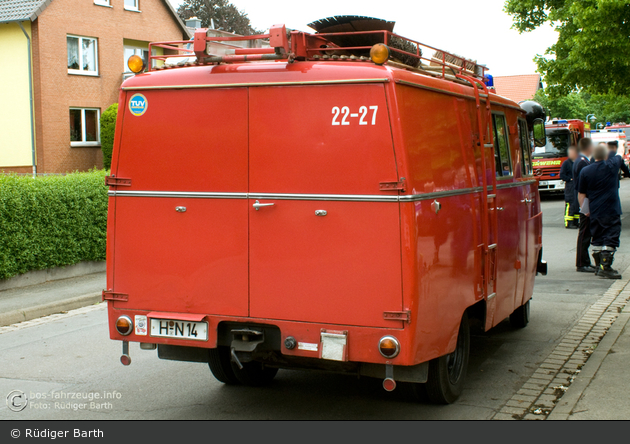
[(402, 373)]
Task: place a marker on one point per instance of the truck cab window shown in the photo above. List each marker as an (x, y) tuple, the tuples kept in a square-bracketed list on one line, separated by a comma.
[(501, 146)]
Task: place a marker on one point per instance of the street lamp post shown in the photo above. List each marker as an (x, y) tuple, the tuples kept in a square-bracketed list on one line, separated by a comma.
[(591, 117)]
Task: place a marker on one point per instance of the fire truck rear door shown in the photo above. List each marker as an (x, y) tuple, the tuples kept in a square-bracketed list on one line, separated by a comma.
[(324, 238), (181, 227)]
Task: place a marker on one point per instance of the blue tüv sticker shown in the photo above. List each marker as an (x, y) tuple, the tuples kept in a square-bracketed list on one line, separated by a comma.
[(138, 104)]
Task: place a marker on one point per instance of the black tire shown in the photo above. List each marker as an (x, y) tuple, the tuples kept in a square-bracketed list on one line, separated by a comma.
[(447, 374), (520, 317), (220, 365), (254, 374)]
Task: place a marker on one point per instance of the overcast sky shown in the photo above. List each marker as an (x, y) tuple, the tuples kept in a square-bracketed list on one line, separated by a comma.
[(463, 27)]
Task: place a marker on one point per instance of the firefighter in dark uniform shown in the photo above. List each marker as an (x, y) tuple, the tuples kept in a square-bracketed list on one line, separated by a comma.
[(613, 147), (571, 207), (599, 183), (582, 258)]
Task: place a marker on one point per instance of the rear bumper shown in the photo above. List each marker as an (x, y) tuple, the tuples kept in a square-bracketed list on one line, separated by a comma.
[(362, 342)]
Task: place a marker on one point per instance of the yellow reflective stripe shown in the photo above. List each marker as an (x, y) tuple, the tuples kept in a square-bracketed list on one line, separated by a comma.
[(567, 218)]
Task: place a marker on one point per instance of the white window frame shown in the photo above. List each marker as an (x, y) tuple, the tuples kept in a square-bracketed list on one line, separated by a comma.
[(132, 8), (103, 3), (83, 143), (81, 72)]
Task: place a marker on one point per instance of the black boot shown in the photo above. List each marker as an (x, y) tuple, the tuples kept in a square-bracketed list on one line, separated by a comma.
[(605, 268), (597, 258)]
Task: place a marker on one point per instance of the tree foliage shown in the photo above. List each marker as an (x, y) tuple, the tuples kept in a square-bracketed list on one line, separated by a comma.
[(593, 43), (225, 15), (577, 105)]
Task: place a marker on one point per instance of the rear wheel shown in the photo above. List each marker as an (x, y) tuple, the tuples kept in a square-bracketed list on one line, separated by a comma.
[(220, 365), (520, 317), (254, 373), (447, 373)]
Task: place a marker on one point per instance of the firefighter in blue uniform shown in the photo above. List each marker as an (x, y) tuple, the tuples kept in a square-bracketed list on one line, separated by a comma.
[(599, 183), (582, 258), (571, 207), (613, 147)]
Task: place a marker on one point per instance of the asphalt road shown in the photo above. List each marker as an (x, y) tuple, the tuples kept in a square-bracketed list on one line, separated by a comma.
[(73, 356)]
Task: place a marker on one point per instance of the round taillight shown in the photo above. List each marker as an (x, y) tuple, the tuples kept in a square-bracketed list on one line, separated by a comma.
[(389, 347), (389, 384), (124, 325)]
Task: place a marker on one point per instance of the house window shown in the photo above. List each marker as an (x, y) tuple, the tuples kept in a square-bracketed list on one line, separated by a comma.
[(82, 55), (132, 5), (85, 127), (501, 146), (102, 3), (130, 50)]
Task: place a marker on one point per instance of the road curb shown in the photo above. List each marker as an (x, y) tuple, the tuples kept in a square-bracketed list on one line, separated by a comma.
[(15, 316)]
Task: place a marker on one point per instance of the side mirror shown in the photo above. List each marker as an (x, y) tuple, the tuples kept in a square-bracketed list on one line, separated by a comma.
[(540, 135)]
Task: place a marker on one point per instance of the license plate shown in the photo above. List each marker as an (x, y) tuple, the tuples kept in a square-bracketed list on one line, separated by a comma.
[(543, 182), (171, 328)]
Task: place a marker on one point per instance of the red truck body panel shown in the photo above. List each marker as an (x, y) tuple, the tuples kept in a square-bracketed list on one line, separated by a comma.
[(399, 177)]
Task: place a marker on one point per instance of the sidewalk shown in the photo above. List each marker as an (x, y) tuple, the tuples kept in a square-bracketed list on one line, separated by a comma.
[(26, 303), (600, 392)]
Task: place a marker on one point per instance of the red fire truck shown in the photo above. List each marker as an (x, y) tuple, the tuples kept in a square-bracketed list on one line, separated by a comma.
[(624, 127), (561, 134), (611, 134), (339, 201)]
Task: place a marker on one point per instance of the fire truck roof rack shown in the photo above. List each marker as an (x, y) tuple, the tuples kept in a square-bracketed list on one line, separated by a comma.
[(351, 40)]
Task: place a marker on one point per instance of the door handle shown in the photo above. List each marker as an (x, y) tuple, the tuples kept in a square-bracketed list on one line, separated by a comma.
[(257, 205), (527, 201)]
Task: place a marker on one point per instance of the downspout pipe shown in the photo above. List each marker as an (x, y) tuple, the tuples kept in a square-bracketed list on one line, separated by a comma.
[(30, 90)]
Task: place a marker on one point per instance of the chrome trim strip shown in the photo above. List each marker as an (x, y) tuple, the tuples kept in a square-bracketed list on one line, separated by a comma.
[(268, 196), (515, 184), (236, 85), (436, 194), (437, 90), (181, 194), (452, 93), (328, 197), (313, 197)]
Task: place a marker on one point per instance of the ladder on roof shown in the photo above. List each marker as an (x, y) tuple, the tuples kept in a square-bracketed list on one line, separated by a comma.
[(352, 46), (489, 208)]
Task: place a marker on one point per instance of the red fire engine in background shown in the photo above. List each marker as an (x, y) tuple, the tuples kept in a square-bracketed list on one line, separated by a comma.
[(561, 134), (613, 133), (624, 127), (338, 201)]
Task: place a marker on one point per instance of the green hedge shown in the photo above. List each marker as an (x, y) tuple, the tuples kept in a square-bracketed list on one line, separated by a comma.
[(51, 221), (108, 128)]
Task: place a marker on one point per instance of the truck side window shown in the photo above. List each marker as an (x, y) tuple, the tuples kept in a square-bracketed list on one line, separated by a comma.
[(501, 146), (526, 156)]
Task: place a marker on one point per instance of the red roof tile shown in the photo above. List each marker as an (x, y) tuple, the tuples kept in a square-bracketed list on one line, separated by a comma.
[(517, 88)]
